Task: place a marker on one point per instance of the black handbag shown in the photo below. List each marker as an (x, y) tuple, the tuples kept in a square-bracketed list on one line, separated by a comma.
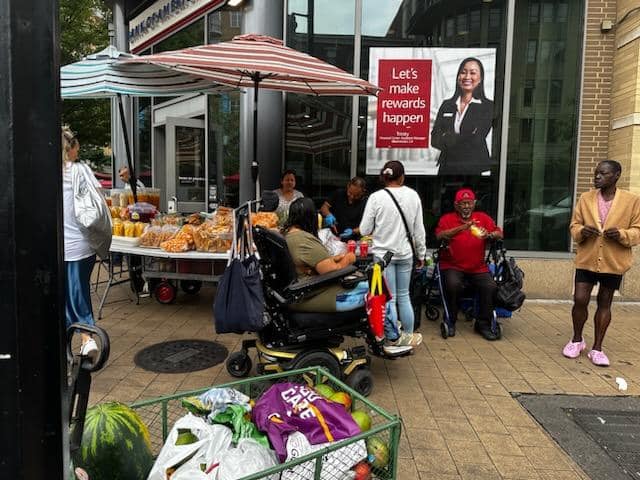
[(416, 284), (239, 303)]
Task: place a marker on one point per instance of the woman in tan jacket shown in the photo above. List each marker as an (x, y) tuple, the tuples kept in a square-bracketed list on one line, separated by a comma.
[(605, 225)]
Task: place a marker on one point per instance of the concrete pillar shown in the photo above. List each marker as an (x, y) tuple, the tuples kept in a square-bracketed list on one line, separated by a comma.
[(264, 18), (624, 137)]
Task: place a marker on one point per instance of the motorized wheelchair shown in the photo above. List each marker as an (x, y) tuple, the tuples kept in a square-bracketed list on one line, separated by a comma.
[(293, 339)]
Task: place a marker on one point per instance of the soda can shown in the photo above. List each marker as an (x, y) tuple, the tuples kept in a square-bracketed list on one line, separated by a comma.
[(364, 249), (351, 246)]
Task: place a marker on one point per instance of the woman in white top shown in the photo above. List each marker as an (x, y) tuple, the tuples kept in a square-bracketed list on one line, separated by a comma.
[(382, 220), (79, 257), (287, 193)]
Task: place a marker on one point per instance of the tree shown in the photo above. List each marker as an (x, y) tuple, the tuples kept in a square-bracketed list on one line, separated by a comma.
[(84, 30)]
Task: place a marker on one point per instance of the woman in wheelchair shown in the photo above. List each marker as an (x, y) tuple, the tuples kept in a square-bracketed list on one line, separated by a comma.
[(312, 258), (467, 232)]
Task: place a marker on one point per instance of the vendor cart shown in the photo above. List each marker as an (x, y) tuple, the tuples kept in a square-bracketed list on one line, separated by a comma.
[(165, 271), (323, 464)]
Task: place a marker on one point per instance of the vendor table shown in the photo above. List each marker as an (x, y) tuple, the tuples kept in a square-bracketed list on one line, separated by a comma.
[(159, 267)]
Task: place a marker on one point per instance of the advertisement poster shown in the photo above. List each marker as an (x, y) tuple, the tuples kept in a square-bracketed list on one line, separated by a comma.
[(435, 112)]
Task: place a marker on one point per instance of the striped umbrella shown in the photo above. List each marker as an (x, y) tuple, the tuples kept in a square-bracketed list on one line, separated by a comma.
[(258, 61), (105, 74)]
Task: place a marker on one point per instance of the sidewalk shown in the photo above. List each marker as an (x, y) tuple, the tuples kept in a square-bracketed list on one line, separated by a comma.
[(460, 420)]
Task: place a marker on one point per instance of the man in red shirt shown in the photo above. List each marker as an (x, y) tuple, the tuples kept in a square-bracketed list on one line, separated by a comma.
[(467, 232)]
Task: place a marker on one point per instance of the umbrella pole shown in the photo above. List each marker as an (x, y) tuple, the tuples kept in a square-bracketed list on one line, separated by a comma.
[(125, 134), (254, 164)]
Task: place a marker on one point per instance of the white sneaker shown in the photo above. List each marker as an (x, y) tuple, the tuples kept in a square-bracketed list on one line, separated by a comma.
[(411, 339), (89, 349), (396, 350)]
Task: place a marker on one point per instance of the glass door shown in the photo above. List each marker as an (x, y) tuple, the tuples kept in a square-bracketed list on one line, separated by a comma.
[(186, 163)]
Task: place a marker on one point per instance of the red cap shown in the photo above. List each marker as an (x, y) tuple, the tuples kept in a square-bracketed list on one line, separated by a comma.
[(464, 194)]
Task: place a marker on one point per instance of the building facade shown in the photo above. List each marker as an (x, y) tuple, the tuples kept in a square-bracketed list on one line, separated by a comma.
[(567, 95)]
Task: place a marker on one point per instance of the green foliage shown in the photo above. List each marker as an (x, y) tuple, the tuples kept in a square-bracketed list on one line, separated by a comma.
[(84, 30)]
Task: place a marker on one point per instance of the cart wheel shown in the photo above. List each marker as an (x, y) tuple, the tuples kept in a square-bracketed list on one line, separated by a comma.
[(190, 286), (432, 313), (165, 292), (498, 331), (361, 381), (444, 329), (318, 358), (239, 364)]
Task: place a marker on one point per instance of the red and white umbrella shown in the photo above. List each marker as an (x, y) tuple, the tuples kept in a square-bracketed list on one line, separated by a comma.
[(260, 61)]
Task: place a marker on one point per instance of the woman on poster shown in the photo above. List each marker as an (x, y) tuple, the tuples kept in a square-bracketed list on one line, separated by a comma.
[(463, 123)]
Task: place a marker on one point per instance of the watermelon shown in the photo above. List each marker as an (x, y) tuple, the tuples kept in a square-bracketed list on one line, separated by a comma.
[(115, 444)]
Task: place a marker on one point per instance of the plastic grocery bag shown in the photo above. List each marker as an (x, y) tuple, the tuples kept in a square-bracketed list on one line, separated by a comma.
[(336, 464), (250, 457), (286, 408), (332, 243), (213, 443)]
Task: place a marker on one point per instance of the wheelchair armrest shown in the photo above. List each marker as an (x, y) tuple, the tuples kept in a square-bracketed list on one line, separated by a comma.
[(318, 281)]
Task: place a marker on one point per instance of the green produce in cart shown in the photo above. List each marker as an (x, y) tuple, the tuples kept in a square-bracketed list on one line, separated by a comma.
[(115, 444)]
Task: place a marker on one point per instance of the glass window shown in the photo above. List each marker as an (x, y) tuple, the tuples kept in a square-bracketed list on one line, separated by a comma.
[(187, 37), (532, 46), (534, 12), (223, 127), (318, 129), (527, 95), (143, 147), (234, 19), (540, 170), (461, 21), (483, 25)]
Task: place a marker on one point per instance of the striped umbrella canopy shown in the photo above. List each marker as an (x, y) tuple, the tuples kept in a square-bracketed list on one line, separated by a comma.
[(253, 59), (259, 61), (105, 74)]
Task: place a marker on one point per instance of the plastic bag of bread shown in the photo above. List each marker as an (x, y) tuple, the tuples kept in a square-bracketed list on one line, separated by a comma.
[(223, 217), (151, 236), (265, 219), (194, 219), (175, 245), (123, 213), (186, 234), (172, 219), (167, 232), (210, 237)]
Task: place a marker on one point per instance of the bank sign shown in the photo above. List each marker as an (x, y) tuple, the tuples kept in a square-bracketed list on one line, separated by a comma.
[(165, 17), (419, 119), (403, 103)]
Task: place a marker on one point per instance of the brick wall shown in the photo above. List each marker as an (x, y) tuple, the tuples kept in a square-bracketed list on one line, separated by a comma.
[(596, 92)]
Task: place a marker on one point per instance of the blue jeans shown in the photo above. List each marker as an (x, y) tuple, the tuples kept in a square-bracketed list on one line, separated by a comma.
[(352, 299), (398, 276), (78, 291), (355, 298)]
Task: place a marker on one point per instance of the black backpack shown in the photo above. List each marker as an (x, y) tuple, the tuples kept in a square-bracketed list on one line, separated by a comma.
[(509, 278)]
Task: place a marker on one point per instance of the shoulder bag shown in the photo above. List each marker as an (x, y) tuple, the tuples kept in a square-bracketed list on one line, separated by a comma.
[(90, 209), (239, 303), (415, 284)]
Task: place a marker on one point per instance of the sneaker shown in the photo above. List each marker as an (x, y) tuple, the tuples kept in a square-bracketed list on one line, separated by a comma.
[(407, 339), (396, 350), (573, 349), (89, 349), (598, 358)]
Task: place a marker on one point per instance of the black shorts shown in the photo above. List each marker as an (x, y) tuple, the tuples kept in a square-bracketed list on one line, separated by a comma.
[(607, 280)]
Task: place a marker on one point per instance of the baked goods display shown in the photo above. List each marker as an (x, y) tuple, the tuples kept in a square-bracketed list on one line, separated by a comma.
[(265, 219), (211, 237)]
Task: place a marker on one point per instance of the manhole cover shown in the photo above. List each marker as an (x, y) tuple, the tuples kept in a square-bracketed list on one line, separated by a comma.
[(180, 356)]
